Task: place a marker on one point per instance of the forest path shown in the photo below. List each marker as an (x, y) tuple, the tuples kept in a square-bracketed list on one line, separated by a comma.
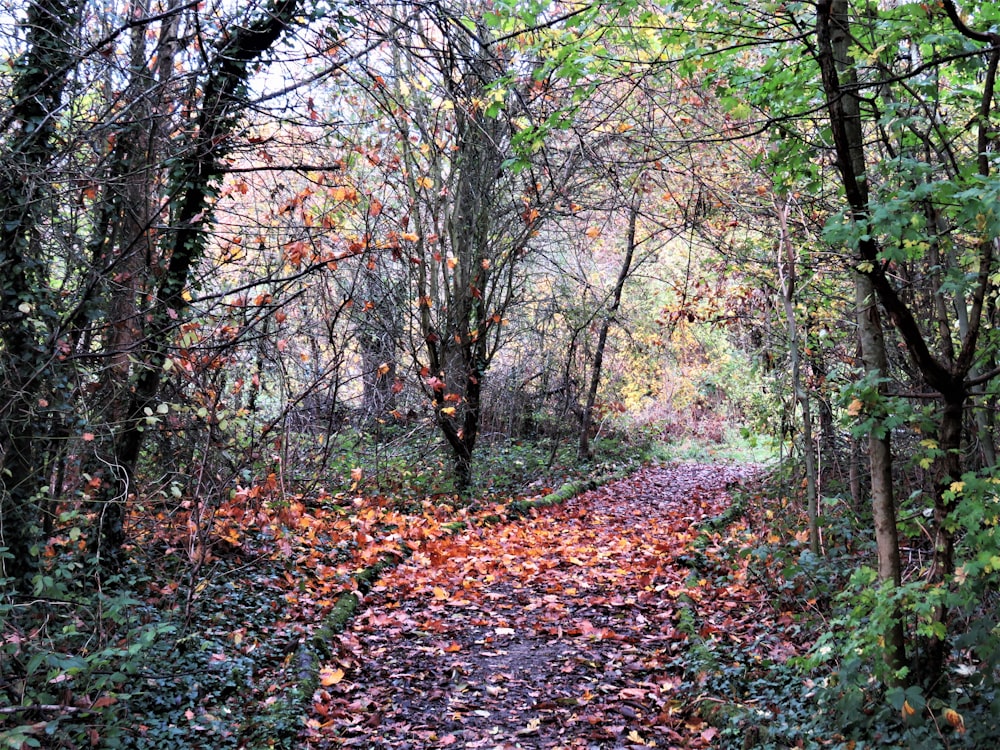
[(567, 629)]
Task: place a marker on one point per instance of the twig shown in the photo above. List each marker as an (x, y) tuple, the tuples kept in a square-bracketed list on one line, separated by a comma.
[(42, 707)]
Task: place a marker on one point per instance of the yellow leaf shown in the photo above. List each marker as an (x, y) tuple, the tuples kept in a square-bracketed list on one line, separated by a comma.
[(425, 182), (448, 411), (440, 594), (329, 676), (957, 487)]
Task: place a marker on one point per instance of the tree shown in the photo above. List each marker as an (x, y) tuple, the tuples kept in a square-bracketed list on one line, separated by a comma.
[(466, 217), (896, 87), (28, 320), (933, 175), (142, 249)]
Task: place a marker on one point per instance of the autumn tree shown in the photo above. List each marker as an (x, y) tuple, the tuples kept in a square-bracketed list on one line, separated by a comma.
[(463, 217), (97, 289)]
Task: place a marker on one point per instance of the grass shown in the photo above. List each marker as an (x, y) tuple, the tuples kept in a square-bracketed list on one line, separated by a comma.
[(738, 445)]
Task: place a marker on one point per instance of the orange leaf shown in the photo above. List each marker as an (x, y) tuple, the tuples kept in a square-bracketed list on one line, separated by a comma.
[(954, 718), (329, 676), (440, 594)]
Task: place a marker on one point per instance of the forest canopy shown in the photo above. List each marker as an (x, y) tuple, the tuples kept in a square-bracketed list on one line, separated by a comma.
[(284, 273)]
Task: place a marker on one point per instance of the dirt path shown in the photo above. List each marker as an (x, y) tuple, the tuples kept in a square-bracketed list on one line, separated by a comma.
[(565, 630)]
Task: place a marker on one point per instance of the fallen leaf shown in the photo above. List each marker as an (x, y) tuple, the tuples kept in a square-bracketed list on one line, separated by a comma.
[(329, 676)]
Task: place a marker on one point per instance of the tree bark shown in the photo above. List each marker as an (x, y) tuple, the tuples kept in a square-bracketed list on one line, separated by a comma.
[(880, 463), (833, 34)]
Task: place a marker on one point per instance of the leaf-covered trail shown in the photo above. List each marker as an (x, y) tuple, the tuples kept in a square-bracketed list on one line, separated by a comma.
[(563, 630)]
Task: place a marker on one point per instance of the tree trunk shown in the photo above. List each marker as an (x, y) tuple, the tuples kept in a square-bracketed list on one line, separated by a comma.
[(584, 450), (40, 76), (786, 275), (833, 33), (193, 184), (880, 461), (934, 648)]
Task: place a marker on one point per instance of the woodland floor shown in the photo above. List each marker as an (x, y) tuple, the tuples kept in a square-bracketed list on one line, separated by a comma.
[(568, 629)]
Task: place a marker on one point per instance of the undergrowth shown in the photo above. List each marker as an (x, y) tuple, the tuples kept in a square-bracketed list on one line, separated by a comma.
[(833, 693)]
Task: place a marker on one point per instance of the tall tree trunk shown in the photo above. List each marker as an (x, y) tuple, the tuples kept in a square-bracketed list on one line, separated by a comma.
[(40, 77), (786, 274), (584, 450), (833, 32), (880, 461), (125, 244)]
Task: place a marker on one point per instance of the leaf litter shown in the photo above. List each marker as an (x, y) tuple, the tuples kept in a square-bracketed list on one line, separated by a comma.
[(567, 629)]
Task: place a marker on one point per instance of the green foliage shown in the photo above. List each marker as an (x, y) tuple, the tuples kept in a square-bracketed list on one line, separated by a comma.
[(73, 659), (766, 703), (850, 651)]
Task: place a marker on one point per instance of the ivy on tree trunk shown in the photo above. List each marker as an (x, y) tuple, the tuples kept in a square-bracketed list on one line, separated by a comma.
[(193, 182), (30, 355)]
